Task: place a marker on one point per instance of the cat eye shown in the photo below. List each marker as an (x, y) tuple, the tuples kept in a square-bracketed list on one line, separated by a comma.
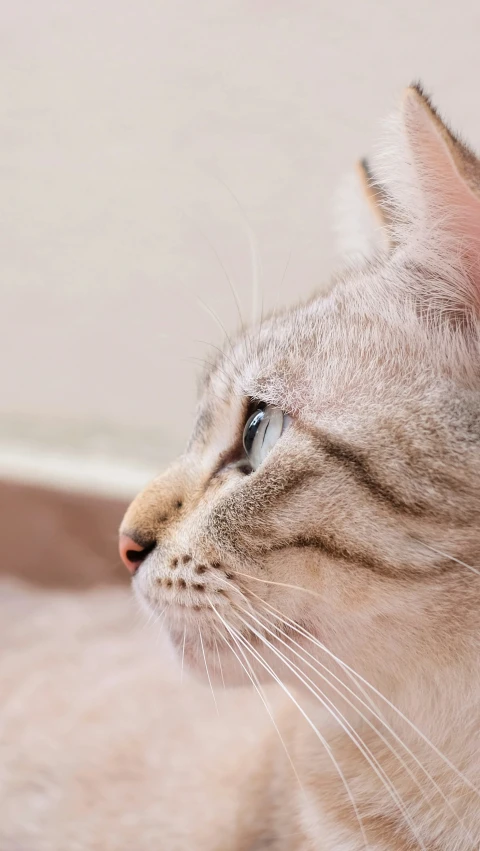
[(261, 432)]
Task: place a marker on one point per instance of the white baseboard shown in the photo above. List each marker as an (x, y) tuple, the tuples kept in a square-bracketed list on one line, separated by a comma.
[(64, 471), (82, 458)]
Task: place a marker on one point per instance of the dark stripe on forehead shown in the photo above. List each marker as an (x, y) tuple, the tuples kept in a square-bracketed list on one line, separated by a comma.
[(355, 462)]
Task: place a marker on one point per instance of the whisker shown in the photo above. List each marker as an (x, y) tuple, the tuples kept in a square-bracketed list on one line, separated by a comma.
[(287, 264), (254, 351), (366, 720), (222, 353), (280, 584), (219, 661), (370, 705), (209, 366), (221, 264), (382, 697), (151, 615), (157, 619), (183, 652), (346, 727), (157, 623), (256, 684), (211, 312), (353, 674), (208, 672), (452, 558), (253, 250), (316, 732)]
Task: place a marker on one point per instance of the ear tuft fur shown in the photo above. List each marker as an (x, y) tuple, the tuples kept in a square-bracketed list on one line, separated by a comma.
[(362, 225), (373, 193), (431, 181)]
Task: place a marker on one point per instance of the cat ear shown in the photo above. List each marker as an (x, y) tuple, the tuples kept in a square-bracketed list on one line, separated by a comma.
[(362, 223), (439, 210)]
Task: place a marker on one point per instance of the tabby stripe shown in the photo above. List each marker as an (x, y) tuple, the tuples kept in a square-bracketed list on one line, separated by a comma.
[(359, 467), (330, 547)]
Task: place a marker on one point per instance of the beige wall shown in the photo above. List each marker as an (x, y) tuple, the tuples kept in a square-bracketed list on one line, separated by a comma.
[(122, 124)]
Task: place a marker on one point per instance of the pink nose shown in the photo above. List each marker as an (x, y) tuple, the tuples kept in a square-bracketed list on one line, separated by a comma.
[(131, 553)]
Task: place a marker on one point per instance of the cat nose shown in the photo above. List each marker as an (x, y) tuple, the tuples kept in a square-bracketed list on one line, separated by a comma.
[(133, 553)]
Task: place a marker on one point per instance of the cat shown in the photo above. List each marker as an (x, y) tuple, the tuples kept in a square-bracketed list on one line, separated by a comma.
[(322, 528), (319, 543)]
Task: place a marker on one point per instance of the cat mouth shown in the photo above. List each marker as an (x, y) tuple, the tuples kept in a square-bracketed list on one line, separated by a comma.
[(187, 612), (183, 608), (183, 592), (195, 609)]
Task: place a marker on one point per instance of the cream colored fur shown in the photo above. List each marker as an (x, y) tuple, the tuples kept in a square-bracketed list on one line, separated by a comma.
[(103, 748), (346, 566)]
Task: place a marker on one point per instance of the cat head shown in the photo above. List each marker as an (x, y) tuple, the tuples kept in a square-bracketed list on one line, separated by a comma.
[(331, 483)]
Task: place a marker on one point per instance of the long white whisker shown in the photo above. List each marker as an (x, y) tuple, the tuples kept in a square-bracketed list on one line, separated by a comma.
[(382, 697), (370, 706), (451, 558), (183, 652), (208, 672), (254, 256), (367, 721), (209, 310), (344, 724), (279, 584), (208, 366), (158, 619), (287, 264), (221, 264), (355, 676), (256, 684), (152, 612), (338, 691), (317, 733), (219, 661), (222, 353)]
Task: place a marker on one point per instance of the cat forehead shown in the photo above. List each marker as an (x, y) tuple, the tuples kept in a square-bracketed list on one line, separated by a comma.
[(268, 362), (349, 364), (363, 345), (301, 357), (329, 336)]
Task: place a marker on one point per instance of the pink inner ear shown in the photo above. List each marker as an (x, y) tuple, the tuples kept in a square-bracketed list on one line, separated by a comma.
[(451, 205)]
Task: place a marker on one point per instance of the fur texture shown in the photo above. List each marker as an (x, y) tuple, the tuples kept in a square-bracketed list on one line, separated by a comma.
[(101, 745), (346, 566)]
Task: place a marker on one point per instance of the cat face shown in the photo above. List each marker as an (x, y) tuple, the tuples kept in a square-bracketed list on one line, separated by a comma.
[(333, 468)]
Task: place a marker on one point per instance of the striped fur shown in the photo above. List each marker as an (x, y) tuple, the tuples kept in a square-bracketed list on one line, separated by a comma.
[(359, 525)]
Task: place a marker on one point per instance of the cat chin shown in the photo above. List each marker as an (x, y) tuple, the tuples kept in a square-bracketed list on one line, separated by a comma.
[(208, 664)]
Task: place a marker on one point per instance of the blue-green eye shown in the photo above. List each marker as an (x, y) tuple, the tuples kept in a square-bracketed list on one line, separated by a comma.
[(251, 428), (261, 432)]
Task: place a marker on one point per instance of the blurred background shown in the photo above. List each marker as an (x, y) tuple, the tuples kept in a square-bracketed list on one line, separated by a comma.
[(155, 156)]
